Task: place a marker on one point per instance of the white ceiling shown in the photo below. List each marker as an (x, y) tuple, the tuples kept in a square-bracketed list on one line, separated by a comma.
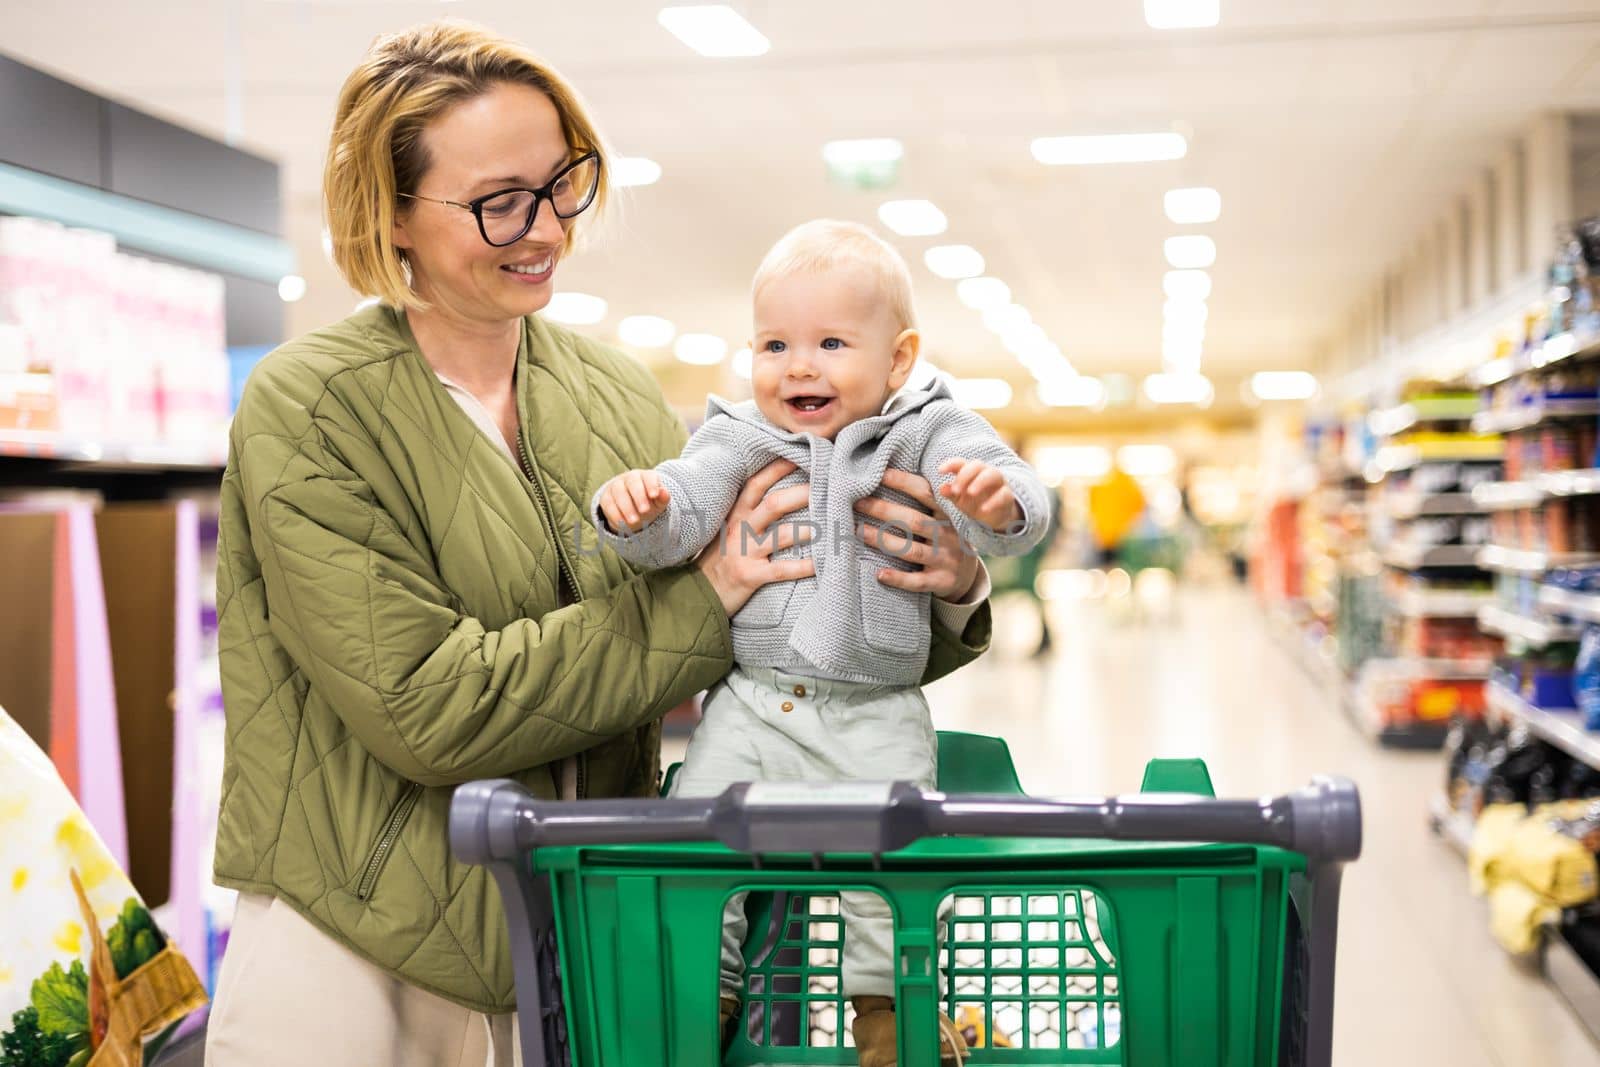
[(1332, 130)]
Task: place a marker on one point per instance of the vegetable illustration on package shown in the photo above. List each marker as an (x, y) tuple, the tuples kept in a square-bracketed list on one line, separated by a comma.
[(64, 896)]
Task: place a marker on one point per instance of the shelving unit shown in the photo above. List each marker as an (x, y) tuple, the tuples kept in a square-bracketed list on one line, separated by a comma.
[(1532, 631), (1453, 827), (1416, 506), (1570, 483), (1440, 604), (1585, 606), (1562, 727), (1530, 562), (1426, 557), (1531, 415), (1508, 496)]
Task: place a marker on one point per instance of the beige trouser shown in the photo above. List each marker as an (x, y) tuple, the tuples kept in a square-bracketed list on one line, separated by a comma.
[(762, 725), (289, 994)]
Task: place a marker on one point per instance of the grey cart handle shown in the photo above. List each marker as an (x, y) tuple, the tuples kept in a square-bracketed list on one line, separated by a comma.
[(497, 823), (500, 820)]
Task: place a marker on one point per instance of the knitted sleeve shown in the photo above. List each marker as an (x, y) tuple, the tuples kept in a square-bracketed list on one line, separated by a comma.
[(702, 485), (961, 434)]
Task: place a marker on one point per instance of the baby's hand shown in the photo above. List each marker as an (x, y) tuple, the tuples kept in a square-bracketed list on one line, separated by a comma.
[(979, 492), (632, 500)]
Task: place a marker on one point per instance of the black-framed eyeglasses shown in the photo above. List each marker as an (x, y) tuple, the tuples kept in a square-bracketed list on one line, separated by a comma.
[(506, 215)]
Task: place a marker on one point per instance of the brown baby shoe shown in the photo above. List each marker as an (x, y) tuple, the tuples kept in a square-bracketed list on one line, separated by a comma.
[(728, 1013), (876, 1041)]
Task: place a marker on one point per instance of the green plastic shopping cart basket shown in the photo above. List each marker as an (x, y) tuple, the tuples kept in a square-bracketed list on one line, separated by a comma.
[(1165, 929)]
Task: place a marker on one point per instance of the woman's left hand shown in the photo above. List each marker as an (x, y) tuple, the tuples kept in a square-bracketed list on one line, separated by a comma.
[(947, 566)]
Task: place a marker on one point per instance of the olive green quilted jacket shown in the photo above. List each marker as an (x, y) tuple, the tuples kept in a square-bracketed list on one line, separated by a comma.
[(390, 592)]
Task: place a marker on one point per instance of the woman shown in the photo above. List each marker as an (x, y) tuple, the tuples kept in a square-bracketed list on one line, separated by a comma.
[(406, 601)]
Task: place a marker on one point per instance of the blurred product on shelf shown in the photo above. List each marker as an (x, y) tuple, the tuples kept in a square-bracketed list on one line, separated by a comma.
[(1446, 638), (1542, 677), (103, 347), (1533, 864)]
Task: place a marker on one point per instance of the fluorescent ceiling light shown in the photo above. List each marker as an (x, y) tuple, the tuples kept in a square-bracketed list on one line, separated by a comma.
[(634, 170), (1186, 312), (1056, 463), (913, 218), (1283, 385), (575, 309), (954, 261), (1191, 251), (1182, 14), (701, 349), (1186, 284), (1024, 338), (981, 294), (865, 150), (1110, 148), (1147, 461), (1181, 355), (743, 362), (1179, 389), (646, 331), (714, 30), (1183, 333), (1008, 317), (1079, 392), (1190, 206), (291, 287), (981, 393)]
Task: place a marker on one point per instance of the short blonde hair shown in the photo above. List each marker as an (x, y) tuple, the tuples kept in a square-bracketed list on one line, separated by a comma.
[(376, 151), (829, 244)]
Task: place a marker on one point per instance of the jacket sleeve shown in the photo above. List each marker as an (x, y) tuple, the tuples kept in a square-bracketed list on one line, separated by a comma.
[(949, 651), (702, 485), (963, 434), (429, 690)]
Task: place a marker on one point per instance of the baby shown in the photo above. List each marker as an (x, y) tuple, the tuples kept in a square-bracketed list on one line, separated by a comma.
[(825, 682)]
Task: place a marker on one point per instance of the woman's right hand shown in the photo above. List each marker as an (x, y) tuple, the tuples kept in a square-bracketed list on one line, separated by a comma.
[(739, 560)]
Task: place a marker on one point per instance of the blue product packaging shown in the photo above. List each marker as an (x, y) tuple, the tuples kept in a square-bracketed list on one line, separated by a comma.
[(1586, 678)]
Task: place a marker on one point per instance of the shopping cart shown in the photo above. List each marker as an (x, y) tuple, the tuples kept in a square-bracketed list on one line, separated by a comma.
[(1167, 928)]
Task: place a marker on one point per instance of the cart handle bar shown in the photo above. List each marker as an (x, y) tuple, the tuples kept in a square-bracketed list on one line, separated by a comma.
[(501, 821)]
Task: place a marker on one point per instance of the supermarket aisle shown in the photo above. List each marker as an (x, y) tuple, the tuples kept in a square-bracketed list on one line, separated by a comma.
[(1420, 981)]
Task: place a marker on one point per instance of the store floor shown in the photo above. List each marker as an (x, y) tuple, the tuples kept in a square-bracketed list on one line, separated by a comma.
[(1420, 984)]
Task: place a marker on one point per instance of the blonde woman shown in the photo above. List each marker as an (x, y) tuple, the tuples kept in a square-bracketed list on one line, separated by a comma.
[(406, 601)]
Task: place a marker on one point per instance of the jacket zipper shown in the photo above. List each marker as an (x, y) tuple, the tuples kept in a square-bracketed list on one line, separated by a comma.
[(386, 840), (566, 575)]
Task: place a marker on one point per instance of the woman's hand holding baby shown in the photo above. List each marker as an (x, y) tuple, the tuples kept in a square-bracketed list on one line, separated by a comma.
[(979, 492), (633, 500)]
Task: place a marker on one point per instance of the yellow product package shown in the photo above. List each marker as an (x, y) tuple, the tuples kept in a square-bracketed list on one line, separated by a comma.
[(85, 974)]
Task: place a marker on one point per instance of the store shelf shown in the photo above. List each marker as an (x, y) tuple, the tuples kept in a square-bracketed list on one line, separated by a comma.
[(24, 444), (1421, 557), (1557, 349), (1429, 604), (1508, 496), (1453, 827), (1418, 505), (1522, 561), (1528, 416), (1571, 483), (1535, 632), (1394, 459), (1585, 606), (1388, 422), (1562, 727)]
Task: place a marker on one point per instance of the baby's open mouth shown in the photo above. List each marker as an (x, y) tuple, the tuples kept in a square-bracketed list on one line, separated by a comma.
[(809, 404)]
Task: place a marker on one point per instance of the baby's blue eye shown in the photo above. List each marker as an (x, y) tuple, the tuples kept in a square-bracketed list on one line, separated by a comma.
[(775, 346), (832, 344)]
